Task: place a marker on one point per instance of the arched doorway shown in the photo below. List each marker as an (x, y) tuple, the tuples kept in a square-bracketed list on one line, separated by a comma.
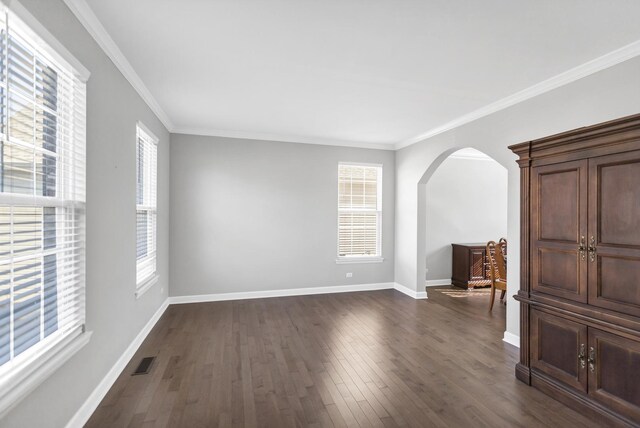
[(464, 201), (414, 166)]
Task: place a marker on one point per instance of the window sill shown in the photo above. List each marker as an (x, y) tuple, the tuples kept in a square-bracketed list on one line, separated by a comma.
[(353, 260), (20, 384), (145, 285)]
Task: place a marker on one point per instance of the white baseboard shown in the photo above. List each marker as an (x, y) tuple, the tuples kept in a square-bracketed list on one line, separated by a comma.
[(409, 292), (219, 297), (278, 293), (511, 339), (91, 403), (437, 282)]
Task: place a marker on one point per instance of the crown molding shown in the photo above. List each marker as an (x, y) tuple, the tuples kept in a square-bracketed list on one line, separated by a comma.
[(590, 67), (286, 138), (90, 21), (92, 24)]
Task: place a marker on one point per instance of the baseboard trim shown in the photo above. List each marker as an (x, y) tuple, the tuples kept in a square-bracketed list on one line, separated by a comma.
[(219, 297), (437, 282), (409, 292), (511, 339), (91, 403)]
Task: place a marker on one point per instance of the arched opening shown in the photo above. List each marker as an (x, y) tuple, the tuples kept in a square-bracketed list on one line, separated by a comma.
[(463, 201)]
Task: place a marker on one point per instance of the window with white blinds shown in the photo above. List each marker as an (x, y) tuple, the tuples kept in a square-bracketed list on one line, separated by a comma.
[(359, 211), (146, 206), (42, 200)]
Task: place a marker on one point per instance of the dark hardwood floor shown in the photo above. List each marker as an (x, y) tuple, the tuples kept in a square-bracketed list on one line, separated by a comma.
[(369, 359)]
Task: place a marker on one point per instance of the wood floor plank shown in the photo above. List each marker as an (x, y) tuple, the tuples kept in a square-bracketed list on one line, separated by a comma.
[(368, 359)]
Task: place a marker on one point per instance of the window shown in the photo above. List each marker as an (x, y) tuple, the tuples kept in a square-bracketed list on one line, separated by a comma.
[(42, 204), (146, 208), (359, 212)]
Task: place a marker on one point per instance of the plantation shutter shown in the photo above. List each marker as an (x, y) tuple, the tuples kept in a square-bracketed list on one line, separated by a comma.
[(146, 205), (359, 210), (42, 197)]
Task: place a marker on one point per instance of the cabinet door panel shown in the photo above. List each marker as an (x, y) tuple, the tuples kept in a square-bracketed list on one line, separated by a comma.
[(618, 279), (558, 222), (614, 223), (615, 380), (559, 196), (476, 265), (618, 182), (555, 347), (558, 269)]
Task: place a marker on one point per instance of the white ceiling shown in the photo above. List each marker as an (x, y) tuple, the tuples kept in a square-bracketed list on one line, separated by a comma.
[(352, 72)]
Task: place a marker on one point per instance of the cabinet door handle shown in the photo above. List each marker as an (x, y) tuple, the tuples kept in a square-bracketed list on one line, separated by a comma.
[(592, 359), (592, 249), (582, 248), (582, 356)]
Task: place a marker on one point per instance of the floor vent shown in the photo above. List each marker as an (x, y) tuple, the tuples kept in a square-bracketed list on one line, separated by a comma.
[(145, 366)]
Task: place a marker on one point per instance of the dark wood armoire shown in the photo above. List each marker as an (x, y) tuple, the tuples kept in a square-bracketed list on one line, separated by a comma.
[(580, 268)]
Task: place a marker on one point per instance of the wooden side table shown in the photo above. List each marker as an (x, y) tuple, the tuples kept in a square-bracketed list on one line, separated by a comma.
[(470, 267)]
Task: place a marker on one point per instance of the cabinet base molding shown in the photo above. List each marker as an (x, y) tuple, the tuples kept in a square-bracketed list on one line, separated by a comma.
[(523, 373), (577, 402)]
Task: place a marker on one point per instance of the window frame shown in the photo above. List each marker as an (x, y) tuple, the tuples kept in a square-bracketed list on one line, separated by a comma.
[(374, 258), (30, 369), (145, 283)]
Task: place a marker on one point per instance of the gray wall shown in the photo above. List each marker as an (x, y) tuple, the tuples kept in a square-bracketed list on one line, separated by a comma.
[(113, 313), (466, 202), (252, 215)]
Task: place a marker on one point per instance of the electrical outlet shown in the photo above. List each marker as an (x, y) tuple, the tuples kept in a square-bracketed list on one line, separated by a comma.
[(161, 290), (349, 274)]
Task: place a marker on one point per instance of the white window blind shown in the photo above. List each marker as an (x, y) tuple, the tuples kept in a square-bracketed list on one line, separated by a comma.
[(42, 200), (146, 206), (359, 210)]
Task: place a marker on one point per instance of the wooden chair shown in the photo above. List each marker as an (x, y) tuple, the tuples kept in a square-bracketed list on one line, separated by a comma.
[(497, 268), (503, 241)]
